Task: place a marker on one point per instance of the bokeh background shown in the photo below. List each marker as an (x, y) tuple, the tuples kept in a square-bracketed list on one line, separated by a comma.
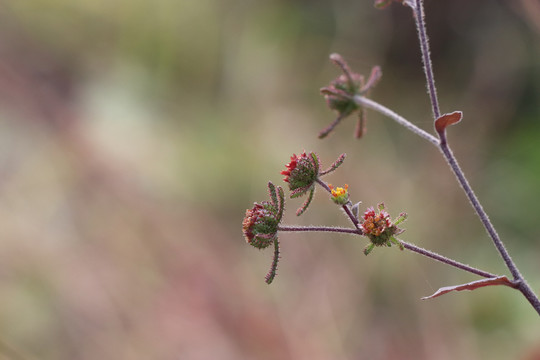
[(134, 134)]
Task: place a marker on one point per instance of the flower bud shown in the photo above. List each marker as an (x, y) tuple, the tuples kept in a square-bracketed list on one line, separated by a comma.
[(340, 195), (260, 225), (301, 173)]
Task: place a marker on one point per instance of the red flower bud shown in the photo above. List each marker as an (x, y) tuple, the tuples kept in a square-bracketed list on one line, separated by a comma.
[(261, 225), (302, 171)]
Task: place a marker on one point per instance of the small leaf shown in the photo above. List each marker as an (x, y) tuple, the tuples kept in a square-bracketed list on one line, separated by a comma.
[(304, 207), (446, 120), (315, 161), (301, 191), (281, 205), (401, 218), (355, 209), (374, 77), (501, 280), (273, 268), (273, 194), (368, 249), (340, 62), (335, 165), (324, 132), (395, 241), (360, 124)]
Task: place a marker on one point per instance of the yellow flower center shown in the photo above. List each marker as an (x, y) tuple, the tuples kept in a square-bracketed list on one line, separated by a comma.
[(340, 191)]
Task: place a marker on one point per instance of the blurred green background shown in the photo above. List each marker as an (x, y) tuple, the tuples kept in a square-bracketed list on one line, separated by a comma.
[(134, 134)]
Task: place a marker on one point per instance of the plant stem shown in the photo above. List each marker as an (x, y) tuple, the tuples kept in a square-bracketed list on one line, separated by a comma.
[(418, 10), (351, 216), (446, 260), (324, 185), (370, 104), (320, 229), (522, 285), (406, 245), (345, 207), (490, 229), (452, 162), (456, 169)]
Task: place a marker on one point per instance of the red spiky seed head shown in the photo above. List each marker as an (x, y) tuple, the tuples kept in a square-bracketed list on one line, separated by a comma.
[(260, 225)]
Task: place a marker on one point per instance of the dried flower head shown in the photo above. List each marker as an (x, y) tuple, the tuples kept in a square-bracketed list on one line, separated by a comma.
[(380, 229), (340, 94)]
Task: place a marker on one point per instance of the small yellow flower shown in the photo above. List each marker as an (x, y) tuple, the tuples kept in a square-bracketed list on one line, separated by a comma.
[(340, 191), (340, 195)]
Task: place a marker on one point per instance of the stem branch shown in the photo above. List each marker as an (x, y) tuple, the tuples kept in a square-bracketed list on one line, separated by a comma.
[(320, 229), (370, 104), (446, 260), (523, 287), (406, 245)]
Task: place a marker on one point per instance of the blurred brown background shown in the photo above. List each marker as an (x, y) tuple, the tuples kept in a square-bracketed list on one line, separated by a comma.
[(134, 134)]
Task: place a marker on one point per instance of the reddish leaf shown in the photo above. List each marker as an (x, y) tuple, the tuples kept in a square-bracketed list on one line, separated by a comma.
[(446, 120), (501, 280)]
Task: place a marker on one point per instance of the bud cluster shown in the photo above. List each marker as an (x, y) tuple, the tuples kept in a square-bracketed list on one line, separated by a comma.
[(261, 223)]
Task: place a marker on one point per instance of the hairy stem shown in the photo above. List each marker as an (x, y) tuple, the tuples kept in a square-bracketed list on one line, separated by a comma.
[(406, 245), (320, 229), (418, 10), (324, 185), (370, 104), (525, 289), (445, 260), (452, 162), (522, 285)]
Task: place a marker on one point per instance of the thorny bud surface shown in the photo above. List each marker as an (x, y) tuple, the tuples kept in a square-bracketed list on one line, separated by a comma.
[(260, 225), (302, 172)]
